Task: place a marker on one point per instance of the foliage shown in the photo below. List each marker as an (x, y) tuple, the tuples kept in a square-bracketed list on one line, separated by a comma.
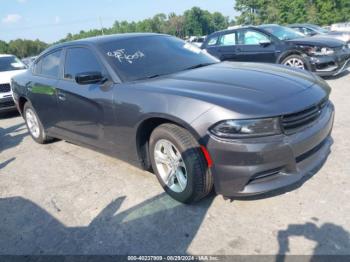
[(22, 48), (193, 22), (197, 21), (322, 12)]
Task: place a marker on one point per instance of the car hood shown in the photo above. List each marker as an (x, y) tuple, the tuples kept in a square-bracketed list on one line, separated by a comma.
[(318, 41), (249, 89), (5, 77), (343, 36)]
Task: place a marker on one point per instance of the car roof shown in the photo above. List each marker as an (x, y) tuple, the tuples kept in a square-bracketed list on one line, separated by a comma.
[(105, 38), (243, 27), (234, 29), (266, 25), (305, 24), (108, 38)]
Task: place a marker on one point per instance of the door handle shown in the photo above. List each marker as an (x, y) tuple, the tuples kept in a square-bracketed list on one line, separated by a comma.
[(62, 97)]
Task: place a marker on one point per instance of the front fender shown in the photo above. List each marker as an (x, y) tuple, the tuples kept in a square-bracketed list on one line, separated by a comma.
[(288, 53)]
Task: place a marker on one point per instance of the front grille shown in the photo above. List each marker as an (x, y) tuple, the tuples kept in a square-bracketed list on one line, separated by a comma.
[(293, 122), (5, 88), (7, 104)]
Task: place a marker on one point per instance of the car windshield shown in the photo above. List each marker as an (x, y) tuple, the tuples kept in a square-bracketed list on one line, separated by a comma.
[(10, 63), (139, 58), (283, 33)]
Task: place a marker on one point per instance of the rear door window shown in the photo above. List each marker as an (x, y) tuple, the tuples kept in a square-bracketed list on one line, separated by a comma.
[(49, 65), (37, 67)]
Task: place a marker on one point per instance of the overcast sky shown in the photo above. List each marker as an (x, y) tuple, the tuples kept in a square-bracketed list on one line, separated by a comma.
[(52, 20)]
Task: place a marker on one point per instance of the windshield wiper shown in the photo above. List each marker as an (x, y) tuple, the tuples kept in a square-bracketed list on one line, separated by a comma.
[(198, 66), (188, 68), (150, 76)]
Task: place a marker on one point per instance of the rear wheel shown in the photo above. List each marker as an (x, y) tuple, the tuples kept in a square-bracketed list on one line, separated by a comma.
[(179, 163), (34, 125), (295, 61)]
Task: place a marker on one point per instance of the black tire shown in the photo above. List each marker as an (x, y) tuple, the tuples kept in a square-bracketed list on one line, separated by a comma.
[(199, 177), (306, 64), (42, 138)]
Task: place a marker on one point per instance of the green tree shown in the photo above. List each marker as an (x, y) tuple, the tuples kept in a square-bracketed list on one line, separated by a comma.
[(248, 11), (159, 23), (323, 12), (195, 21), (176, 25), (218, 21), (4, 47), (24, 48)]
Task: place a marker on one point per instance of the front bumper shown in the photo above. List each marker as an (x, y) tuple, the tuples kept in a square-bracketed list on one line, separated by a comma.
[(330, 65), (7, 104), (256, 166)]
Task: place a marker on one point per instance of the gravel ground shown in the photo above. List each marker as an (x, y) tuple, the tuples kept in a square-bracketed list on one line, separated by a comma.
[(64, 199)]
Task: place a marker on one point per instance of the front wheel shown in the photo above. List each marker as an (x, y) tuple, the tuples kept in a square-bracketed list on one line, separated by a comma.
[(179, 164), (35, 128), (295, 61)]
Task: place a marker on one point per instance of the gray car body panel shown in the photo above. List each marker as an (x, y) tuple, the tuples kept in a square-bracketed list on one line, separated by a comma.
[(195, 99)]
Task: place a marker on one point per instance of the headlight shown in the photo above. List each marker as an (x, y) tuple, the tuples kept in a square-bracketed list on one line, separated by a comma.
[(247, 128), (317, 50)]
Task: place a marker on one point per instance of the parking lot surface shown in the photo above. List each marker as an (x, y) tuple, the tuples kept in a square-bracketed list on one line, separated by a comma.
[(64, 199)]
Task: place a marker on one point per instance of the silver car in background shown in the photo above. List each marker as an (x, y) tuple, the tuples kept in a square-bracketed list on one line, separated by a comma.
[(315, 30)]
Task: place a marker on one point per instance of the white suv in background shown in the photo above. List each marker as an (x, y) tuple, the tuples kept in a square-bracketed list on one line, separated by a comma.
[(343, 27), (9, 67)]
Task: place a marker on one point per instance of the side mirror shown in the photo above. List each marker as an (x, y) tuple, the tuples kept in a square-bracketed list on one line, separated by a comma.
[(89, 78), (265, 42)]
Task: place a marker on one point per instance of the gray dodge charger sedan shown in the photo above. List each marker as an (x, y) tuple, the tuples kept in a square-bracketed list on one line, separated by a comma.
[(166, 106)]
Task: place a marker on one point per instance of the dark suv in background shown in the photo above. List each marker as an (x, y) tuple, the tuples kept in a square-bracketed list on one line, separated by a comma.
[(282, 45)]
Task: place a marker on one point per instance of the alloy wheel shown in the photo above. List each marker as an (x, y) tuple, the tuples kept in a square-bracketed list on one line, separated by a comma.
[(170, 165), (295, 62), (33, 123)]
